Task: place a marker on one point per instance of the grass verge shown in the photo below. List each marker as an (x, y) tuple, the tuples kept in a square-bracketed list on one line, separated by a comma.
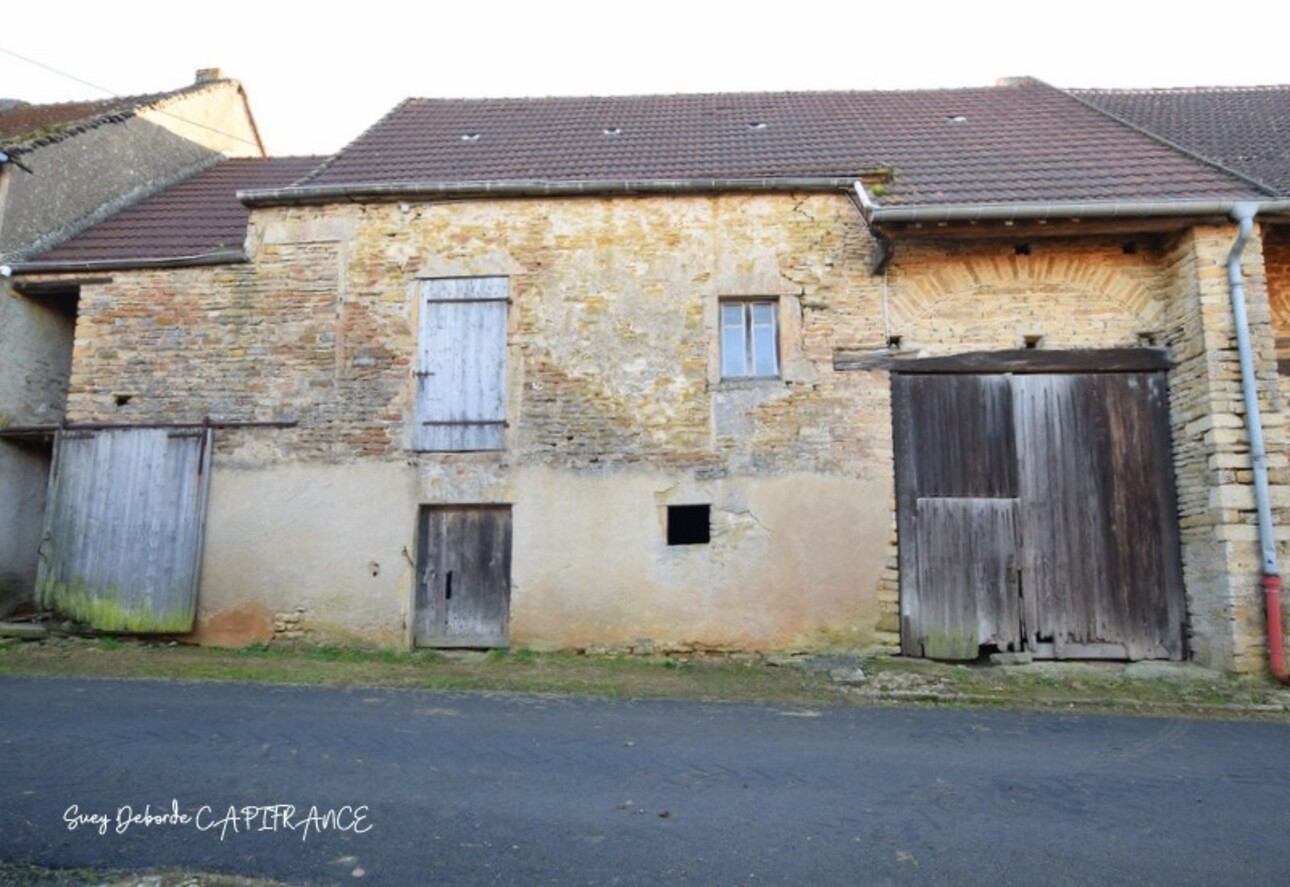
[(1144, 688)]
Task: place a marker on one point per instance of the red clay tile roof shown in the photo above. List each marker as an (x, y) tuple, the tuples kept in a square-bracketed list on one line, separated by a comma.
[(1245, 128), (197, 217), (1025, 142)]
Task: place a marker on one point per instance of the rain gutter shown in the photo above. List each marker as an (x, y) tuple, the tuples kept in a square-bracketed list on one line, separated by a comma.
[(1057, 211), (224, 257), (371, 192)]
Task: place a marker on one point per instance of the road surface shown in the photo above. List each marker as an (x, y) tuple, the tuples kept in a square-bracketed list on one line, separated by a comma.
[(353, 786)]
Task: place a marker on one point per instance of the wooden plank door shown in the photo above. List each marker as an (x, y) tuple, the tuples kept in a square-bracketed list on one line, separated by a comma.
[(967, 578), (124, 528), (463, 592), (1101, 563), (956, 513)]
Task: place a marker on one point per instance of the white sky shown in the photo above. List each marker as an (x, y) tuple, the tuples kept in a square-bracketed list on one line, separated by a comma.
[(318, 74)]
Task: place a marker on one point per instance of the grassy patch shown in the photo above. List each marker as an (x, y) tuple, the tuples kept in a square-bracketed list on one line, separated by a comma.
[(521, 670), (806, 681)]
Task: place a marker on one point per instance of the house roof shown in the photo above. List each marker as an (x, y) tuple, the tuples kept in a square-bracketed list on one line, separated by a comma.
[(198, 217), (25, 126), (1022, 142), (1245, 128)]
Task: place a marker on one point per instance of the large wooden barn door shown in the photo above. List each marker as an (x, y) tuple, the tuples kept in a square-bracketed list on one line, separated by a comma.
[(122, 544), (1036, 512)]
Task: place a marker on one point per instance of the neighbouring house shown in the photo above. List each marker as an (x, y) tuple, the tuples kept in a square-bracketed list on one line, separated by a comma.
[(64, 167), (1241, 128), (949, 370)]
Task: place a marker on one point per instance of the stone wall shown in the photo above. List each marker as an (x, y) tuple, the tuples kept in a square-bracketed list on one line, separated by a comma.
[(615, 404), (1221, 564), (616, 410)]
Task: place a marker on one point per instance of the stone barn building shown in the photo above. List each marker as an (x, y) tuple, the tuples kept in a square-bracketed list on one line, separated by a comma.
[(952, 371)]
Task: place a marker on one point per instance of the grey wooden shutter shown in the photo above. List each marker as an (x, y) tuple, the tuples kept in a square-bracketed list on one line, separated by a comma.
[(124, 528), (461, 364)]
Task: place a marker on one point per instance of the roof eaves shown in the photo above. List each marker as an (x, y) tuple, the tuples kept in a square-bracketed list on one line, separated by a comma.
[(1059, 211), (301, 195), (220, 257)]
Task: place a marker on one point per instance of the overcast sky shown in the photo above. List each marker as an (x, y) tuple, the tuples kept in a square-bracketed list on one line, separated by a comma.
[(318, 75)]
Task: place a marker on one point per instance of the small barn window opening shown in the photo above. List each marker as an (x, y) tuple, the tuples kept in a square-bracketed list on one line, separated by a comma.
[(749, 339), (123, 399), (893, 342), (1033, 341), (1022, 249), (689, 524)]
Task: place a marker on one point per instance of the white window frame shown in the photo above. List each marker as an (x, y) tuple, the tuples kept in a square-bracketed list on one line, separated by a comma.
[(744, 353)]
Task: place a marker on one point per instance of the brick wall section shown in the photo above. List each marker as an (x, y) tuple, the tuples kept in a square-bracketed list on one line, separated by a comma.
[(228, 343), (1276, 263), (1221, 564), (1070, 294)]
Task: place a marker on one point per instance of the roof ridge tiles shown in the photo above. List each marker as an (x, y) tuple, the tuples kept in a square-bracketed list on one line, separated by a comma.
[(1180, 90)]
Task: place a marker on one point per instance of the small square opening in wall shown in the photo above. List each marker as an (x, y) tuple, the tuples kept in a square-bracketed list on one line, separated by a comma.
[(689, 524)]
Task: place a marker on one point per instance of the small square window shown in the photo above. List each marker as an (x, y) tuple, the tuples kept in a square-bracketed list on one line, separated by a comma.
[(749, 339), (689, 525)]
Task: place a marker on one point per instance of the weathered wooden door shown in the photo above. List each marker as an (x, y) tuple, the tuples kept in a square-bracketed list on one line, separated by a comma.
[(1036, 512), (463, 594), (124, 527)]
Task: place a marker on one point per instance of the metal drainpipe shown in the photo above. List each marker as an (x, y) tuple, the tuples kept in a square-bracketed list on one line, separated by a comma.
[(1244, 214)]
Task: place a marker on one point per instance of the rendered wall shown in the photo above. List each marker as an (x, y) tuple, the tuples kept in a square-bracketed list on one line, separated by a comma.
[(35, 365)]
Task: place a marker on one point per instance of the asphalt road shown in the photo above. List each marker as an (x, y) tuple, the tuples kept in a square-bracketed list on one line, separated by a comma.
[(400, 787)]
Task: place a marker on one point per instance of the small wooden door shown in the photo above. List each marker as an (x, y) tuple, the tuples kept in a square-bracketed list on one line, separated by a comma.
[(463, 593)]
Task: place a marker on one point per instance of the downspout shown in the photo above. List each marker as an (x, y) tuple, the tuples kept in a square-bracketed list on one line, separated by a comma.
[(1243, 213)]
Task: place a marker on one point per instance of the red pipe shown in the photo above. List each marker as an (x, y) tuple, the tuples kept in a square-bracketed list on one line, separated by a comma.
[(1276, 636)]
